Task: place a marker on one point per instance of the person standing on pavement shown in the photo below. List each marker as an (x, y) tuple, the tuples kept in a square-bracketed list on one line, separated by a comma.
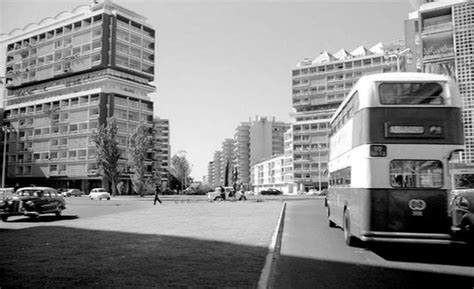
[(157, 191)]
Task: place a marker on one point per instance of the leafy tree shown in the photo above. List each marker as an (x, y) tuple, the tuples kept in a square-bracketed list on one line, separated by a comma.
[(108, 153), (140, 145), (180, 168)]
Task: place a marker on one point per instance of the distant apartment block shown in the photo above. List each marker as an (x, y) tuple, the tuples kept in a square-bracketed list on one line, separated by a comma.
[(270, 174), (318, 87), (162, 159), (440, 34), (65, 77), (253, 141)]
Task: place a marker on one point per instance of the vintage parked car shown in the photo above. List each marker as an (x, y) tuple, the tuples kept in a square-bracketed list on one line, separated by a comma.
[(71, 192), (32, 202), (216, 194), (271, 191), (99, 194), (461, 211)]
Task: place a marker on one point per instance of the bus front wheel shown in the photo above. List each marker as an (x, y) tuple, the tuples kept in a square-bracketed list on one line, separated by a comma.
[(348, 238)]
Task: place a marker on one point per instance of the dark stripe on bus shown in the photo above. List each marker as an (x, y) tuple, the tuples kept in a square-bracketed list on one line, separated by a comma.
[(370, 125)]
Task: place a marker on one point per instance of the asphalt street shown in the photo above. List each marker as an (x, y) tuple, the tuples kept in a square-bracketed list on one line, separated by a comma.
[(313, 255)]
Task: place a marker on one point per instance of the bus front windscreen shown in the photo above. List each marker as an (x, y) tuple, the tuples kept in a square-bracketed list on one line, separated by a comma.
[(411, 93)]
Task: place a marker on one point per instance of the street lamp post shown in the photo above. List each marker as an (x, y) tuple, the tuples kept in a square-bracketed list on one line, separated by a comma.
[(319, 168), (5, 130), (397, 55)]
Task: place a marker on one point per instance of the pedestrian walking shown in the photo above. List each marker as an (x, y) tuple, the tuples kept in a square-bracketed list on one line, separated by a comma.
[(157, 191), (222, 193), (242, 195)]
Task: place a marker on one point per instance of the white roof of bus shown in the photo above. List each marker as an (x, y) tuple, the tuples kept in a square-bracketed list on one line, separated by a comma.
[(390, 76)]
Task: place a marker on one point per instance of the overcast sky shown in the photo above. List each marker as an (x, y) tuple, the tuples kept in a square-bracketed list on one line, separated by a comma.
[(219, 63)]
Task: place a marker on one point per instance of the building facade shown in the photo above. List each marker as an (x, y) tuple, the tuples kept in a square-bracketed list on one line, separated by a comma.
[(162, 149), (66, 76), (441, 35), (318, 87), (270, 174)]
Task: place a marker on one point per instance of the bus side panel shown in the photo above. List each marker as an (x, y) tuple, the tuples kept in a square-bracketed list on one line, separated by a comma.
[(409, 211)]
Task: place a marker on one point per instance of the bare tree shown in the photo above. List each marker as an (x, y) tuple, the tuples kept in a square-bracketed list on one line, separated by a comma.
[(108, 153)]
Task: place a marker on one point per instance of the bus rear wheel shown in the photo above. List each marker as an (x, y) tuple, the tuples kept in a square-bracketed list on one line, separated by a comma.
[(348, 238)]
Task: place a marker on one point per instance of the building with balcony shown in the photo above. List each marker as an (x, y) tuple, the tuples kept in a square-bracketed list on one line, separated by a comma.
[(270, 174), (162, 149), (256, 140), (441, 35), (66, 76), (318, 87)]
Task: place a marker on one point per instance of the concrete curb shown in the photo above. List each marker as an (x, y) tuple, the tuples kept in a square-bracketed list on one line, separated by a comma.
[(273, 251)]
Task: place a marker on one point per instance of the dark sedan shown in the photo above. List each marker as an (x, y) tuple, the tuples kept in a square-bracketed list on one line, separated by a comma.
[(271, 191), (461, 211), (32, 202)]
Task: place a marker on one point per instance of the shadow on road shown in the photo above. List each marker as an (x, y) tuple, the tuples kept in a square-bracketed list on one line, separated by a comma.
[(459, 255), (43, 219), (295, 272), (63, 257)]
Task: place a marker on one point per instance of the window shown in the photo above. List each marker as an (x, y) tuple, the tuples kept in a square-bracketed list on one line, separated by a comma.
[(411, 93), (416, 174)]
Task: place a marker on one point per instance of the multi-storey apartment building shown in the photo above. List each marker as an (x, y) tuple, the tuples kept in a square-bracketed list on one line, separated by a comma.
[(66, 76), (256, 140), (318, 87), (226, 163), (162, 159), (441, 35), (270, 174), (216, 169), (242, 152)]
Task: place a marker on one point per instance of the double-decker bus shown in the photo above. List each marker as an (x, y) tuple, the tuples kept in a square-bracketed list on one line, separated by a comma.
[(390, 143)]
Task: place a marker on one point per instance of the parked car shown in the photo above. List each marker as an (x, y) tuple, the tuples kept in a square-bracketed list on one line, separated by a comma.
[(271, 191), (32, 202), (72, 192), (461, 212), (216, 194), (99, 194)]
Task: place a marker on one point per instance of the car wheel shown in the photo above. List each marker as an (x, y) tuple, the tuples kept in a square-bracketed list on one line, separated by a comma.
[(34, 217), (4, 218), (108, 199), (348, 238), (100, 198)]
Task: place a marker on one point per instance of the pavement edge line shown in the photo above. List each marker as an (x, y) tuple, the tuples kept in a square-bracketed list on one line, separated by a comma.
[(273, 250)]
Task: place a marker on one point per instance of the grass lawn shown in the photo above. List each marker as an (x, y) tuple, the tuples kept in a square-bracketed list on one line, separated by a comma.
[(171, 245)]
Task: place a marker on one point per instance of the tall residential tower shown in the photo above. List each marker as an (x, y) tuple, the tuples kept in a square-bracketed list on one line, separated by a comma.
[(66, 76)]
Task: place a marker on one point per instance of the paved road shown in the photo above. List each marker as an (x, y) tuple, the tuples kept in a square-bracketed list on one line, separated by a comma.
[(315, 256)]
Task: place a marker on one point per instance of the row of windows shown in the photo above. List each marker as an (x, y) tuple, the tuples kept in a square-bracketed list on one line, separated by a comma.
[(339, 66), (58, 32), (55, 129), (347, 113), (340, 178), (53, 106), (56, 155)]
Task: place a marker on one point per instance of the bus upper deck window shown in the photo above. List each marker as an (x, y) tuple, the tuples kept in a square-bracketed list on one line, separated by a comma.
[(411, 93)]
